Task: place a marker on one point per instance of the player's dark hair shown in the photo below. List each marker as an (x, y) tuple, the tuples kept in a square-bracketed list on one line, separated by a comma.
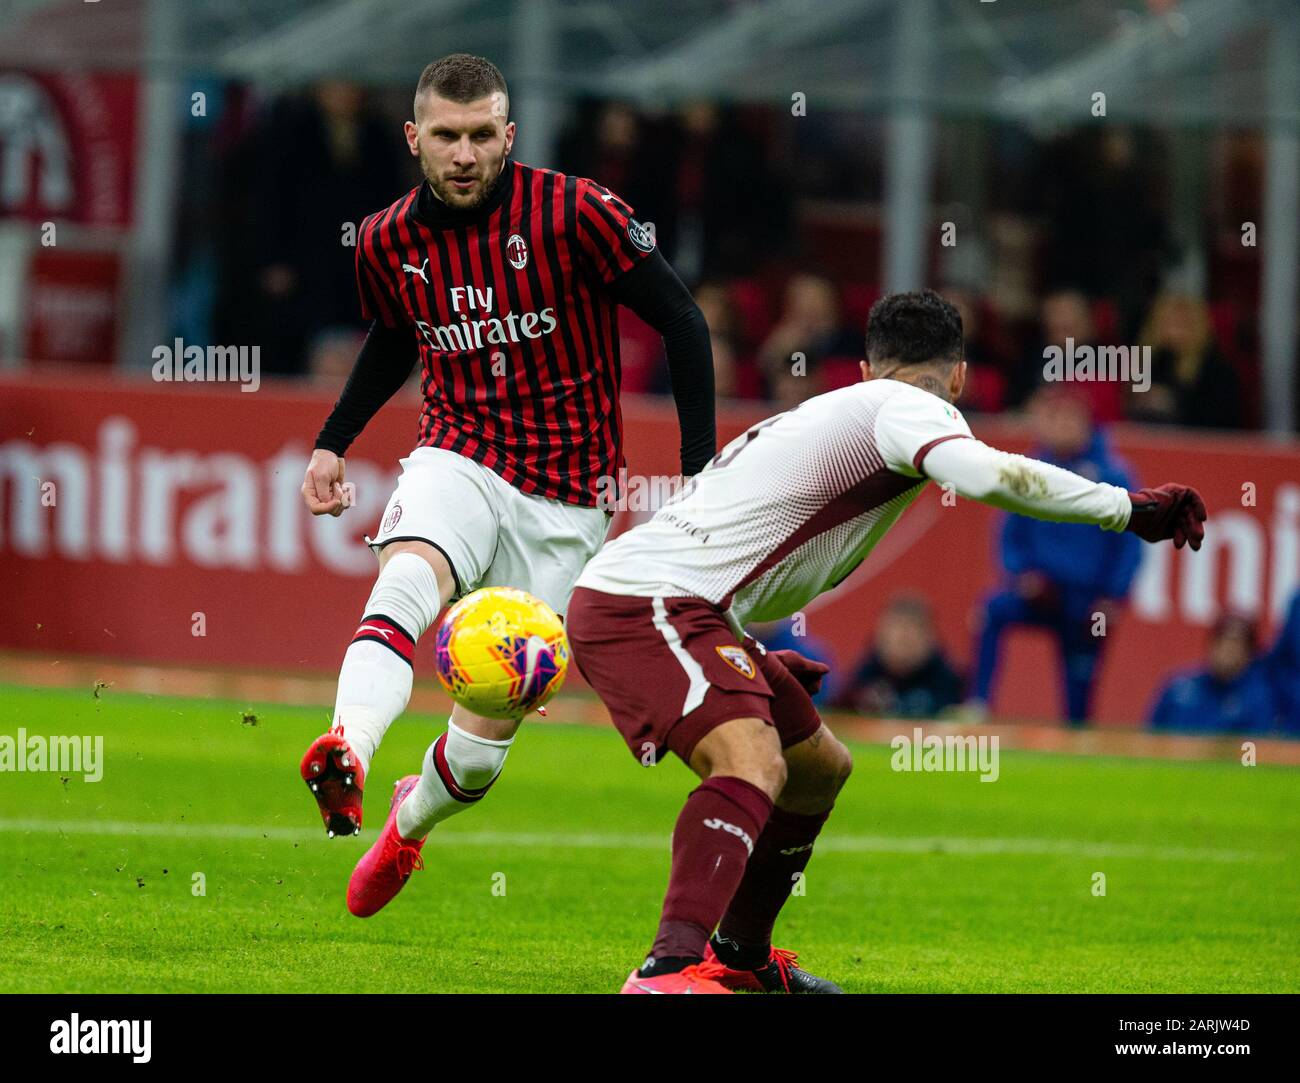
[(462, 77), (913, 328)]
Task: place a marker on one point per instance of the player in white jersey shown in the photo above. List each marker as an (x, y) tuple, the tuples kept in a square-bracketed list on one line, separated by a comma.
[(784, 513)]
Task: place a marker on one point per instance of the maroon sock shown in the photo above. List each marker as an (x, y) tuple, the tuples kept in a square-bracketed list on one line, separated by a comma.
[(784, 849), (713, 839)]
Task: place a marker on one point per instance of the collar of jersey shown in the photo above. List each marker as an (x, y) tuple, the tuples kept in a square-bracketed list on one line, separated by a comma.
[(434, 213)]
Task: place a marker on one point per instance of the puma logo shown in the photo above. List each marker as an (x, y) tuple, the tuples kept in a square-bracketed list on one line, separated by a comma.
[(417, 270), (385, 632)]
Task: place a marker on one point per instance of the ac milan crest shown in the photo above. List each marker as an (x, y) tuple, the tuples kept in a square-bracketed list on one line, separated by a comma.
[(517, 252)]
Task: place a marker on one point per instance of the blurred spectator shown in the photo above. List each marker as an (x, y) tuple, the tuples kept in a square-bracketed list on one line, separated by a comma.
[(986, 384), (811, 324), (616, 158), (905, 674), (1067, 323), (1103, 195), (332, 355), (779, 636), (736, 375), (1231, 694), (613, 145), (720, 314), (641, 356), (1283, 664), (1191, 382), (1060, 575), (728, 212), (322, 161)]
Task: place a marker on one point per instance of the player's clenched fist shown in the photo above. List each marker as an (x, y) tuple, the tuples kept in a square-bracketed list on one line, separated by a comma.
[(806, 671), (1168, 512), (322, 488)]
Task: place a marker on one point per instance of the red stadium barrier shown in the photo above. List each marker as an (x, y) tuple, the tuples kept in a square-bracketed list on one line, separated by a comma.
[(174, 532)]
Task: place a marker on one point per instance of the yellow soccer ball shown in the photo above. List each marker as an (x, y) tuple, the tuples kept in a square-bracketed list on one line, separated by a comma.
[(501, 652)]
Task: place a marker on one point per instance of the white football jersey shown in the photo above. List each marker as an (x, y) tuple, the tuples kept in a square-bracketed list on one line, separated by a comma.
[(788, 509)]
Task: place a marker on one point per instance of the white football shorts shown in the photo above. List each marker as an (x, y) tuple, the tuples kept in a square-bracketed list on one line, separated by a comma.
[(492, 534)]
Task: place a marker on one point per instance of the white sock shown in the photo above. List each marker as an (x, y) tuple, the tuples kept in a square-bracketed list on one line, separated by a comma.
[(458, 769), (376, 678)]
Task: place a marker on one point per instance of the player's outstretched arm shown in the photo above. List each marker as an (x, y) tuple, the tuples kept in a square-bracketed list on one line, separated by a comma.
[(1040, 490), (383, 365)]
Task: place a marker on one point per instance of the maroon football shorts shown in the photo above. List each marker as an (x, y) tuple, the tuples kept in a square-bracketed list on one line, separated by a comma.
[(670, 670)]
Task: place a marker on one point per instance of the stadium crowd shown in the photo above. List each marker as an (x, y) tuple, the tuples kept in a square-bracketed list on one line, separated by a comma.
[(1242, 687), (741, 206)]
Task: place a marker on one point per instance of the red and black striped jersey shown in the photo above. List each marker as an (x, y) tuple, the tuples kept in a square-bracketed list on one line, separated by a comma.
[(518, 334)]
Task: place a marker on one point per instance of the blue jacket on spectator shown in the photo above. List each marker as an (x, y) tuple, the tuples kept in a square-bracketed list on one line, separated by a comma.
[(1283, 663), (1078, 557), (1197, 702)]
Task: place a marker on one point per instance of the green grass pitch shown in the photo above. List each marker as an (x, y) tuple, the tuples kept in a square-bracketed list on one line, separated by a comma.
[(922, 882)]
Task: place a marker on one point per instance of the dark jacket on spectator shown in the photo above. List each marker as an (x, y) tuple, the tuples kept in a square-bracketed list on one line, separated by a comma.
[(921, 694), (1199, 702), (1211, 400)]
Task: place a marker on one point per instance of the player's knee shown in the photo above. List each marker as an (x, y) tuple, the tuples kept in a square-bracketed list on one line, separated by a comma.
[(746, 748), (767, 770), (839, 765), (410, 545), (776, 772), (407, 593), (430, 554), (818, 777)]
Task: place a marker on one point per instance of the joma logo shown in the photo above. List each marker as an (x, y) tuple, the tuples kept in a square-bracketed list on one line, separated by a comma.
[(731, 829)]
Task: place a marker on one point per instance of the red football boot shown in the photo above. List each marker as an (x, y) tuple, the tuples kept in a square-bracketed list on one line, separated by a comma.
[(336, 779), (699, 978), (780, 974), (384, 869)]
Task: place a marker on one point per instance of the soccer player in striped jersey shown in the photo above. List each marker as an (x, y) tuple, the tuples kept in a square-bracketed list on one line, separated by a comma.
[(784, 513), (504, 282)]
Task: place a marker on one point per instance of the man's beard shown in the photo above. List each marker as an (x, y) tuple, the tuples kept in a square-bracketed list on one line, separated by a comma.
[(454, 197)]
